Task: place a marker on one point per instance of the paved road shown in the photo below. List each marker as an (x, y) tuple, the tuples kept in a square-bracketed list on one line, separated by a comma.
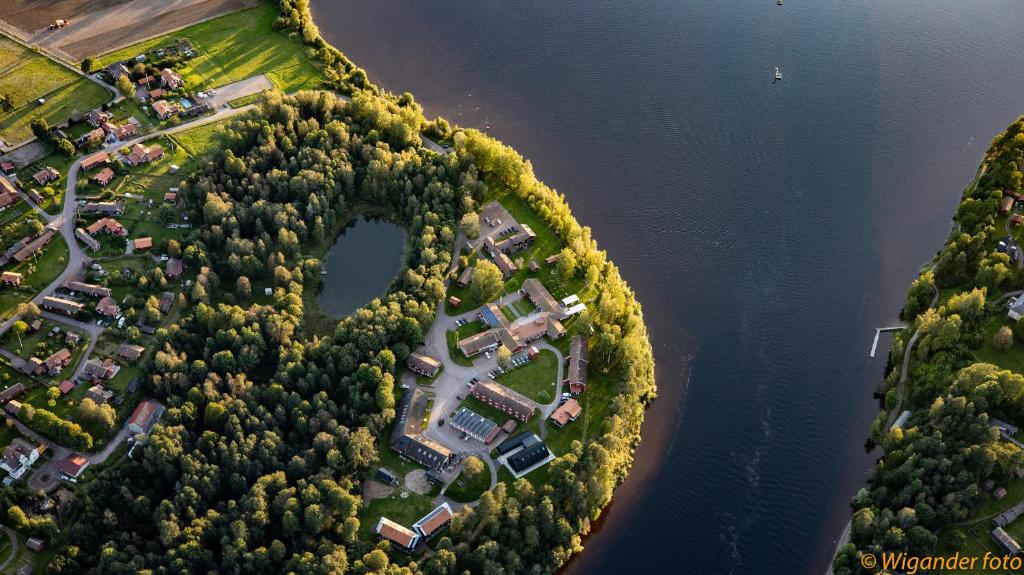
[(46, 478), (14, 547)]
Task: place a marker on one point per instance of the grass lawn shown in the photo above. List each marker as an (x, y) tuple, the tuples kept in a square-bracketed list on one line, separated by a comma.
[(453, 349), (1013, 359), (523, 306), (595, 402), (509, 312), (244, 100), (236, 47), (464, 491), (78, 94), (39, 272), (537, 379), (469, 300), (61, 163), (201, 139)]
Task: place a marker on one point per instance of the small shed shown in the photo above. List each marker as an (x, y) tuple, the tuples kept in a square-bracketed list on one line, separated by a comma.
[(454, 301), (385, 475), (999, 493), (1006, 205), (533, 353), (35, 544)]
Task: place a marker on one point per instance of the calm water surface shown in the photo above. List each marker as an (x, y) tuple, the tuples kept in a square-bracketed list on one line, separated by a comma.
[(767, 228), (360, 265)]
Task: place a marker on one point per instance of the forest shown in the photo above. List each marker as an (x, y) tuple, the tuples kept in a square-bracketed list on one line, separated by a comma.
[(270, 430), (929, 480)]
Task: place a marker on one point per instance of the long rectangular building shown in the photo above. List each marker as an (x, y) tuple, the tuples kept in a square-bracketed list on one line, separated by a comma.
[(89, 241), (399, 535), (89, 289), (34, 246), (62, 305), (504, 399), (577, 376)]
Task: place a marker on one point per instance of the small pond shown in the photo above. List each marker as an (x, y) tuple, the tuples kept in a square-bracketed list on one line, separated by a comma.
[(360, 266)]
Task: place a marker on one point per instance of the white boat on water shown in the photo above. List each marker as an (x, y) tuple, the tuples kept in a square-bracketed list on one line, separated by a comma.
[(778, 75)]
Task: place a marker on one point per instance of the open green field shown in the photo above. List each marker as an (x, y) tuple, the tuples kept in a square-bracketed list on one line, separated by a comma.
[(236, 47), (199, 140), (523, 306), (537, 379), (34, 78), (27, 76), (11, 53), (80, 95)]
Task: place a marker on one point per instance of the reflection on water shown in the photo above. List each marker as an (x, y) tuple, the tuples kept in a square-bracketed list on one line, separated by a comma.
[(360, 265)]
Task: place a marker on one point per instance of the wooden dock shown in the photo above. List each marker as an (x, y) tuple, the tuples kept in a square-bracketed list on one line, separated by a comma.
[(878, 332)]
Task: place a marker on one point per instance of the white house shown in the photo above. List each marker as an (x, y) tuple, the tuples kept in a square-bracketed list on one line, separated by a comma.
[(18, 457), (1016, 308)]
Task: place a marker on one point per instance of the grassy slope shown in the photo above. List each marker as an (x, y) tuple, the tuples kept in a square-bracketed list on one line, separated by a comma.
[(235, 47)]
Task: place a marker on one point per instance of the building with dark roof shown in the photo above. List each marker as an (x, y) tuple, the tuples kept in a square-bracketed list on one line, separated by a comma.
[(535, 291), (88, 289), (73, 466), (505, 264), (423, 450), (409, 440), (524, 453), (474, 425), (517, 242), (144, 416)]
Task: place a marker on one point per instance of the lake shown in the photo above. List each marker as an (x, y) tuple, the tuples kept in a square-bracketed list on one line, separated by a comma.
[(767, 228), (360, 266)]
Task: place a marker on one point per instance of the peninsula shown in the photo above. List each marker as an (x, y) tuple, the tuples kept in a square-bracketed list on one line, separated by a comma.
[(951, 477), (174, 398)]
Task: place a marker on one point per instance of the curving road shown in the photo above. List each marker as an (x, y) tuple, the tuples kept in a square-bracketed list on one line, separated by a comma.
[(47, 476)]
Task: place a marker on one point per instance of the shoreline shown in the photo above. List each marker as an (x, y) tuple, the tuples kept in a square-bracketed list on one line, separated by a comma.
[(662, 418)]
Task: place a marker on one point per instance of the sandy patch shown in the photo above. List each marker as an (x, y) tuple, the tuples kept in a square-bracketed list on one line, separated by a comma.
[(416, 481), (373, 489)]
